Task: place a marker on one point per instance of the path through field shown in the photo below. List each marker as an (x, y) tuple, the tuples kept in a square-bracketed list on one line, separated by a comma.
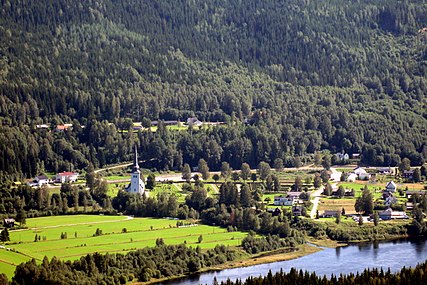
[(316, 195)]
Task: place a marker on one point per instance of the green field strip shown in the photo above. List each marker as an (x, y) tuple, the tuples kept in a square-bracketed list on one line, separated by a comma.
[(7, 269), (141, 232), (71, 220)]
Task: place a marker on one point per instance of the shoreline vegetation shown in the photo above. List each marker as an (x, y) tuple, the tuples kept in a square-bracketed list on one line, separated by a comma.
[(282, 254)]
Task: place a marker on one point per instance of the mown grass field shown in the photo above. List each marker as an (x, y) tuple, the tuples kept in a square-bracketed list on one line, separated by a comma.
[(81, 239), (337, 204)]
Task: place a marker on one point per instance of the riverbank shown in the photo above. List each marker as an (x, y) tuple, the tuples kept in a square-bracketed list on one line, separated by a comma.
[(326, 243), (248, 260)]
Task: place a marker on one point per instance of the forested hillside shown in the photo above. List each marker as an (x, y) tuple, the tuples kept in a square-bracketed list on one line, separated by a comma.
[(307, 76)]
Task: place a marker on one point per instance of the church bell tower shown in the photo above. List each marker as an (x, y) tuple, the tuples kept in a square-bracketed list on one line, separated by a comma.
[(136, 184)]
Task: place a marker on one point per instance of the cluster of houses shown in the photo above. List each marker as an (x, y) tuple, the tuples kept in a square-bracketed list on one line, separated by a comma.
[(292, 198), (387, 214), (62, 177), (58, 128), (191, 121)]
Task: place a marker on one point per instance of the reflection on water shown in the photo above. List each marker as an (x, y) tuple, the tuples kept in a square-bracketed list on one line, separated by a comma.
[(338, 252), (353, 258)]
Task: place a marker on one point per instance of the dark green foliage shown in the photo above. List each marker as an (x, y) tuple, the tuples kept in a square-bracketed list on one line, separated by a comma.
[(365, 203), (151, 181), (406, 276), (306, 77), (4, 235), (252, 244)]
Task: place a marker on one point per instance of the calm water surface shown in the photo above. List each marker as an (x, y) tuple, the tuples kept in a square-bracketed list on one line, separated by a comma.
[(353, 258)]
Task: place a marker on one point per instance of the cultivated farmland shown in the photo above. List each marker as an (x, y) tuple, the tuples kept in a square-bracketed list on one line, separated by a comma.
[(119, 234)]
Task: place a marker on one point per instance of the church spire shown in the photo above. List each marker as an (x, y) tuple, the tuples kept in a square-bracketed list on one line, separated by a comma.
[(135, 160)]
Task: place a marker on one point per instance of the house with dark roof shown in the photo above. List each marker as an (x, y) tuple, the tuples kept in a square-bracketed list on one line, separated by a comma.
[(391, 187)]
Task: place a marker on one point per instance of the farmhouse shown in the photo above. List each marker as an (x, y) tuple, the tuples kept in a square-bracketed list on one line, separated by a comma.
[(361, 173), (389, 214), (391, 187), (408, 174), (9, 223), (342, 156), (193, 121), (351, 177), (64, 127), (64, 177), (39, 181)]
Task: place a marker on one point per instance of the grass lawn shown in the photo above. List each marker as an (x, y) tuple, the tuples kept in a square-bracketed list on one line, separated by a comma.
[(114, 188), (80, 229), (171, 189), (117, 177), (9, 260)]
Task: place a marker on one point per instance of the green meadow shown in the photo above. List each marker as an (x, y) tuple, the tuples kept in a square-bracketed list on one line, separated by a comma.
[(119, 234)]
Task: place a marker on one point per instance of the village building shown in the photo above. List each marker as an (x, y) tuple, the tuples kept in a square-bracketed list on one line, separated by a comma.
[(408, 174), (65, 177), (136, 184), (389, 214), (351, 177), (42, 126), (361, 173), (330, 213), (342, 156), (9, 223), (39, 181), (193, 121), (64, 127), (391, 187), (283, 201)]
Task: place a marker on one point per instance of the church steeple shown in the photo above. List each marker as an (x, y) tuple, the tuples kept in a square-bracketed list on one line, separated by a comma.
[(136, 183), (135, 160)]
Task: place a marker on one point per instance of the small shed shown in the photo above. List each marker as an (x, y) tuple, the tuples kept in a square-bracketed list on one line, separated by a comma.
[(9, 223)]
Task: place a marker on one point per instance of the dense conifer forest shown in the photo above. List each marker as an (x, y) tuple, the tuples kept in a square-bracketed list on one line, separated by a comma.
[(291, 77), (368, 276)]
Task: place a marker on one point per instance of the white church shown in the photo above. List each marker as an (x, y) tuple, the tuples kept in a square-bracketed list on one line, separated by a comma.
[(136, 185)]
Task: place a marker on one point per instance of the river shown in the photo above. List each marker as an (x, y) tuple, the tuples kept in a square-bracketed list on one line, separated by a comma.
[(352, 258)]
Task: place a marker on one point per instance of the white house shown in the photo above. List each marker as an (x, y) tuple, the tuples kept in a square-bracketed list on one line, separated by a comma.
[(66, 177), (41, 180), (391, 187), (351, 177), (362, 174), (389, 214), (194, 122)]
